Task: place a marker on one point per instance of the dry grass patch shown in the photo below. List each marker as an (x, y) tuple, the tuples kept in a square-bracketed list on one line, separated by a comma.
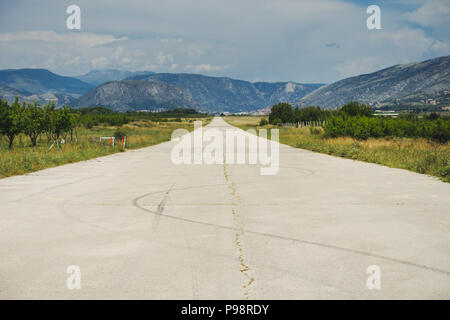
[(24, 159), (414, 154)]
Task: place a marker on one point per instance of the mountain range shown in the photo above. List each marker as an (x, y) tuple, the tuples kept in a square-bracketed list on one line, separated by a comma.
[(385, 86), (126, 90), (128, 95), (10, 94), (40, 85), (39, 81), (145, 90), (225, 94)]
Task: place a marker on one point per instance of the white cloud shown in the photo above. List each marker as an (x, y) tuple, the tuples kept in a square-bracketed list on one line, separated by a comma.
[(78, 39), (431, 13), (149, 67), (163, 58), (198, 68), (99, 63), (405, 40), (439, 46), (275, 40), (74, 61), (400, 46)]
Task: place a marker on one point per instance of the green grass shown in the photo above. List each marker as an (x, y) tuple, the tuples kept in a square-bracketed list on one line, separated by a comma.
[(414, 154), (23, 159)]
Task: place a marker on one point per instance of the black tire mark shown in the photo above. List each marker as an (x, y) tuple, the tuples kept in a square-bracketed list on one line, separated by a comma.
[(302, 241), (161, 206)]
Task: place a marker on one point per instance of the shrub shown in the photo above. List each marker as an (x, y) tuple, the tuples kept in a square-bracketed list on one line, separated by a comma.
[(310, 114), (364, 127), (119, 133), (441, 131), (315, 130), (281, 111), (277, 122), (433, 116), (263, 122), (335, 127), (354, 109), (445, 172)]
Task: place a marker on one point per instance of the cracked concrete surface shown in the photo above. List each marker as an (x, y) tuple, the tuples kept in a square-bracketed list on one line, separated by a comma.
[(141, 227)]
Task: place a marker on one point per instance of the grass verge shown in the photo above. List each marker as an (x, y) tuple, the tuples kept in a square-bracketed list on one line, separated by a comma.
[(23, 159), (414, 154)]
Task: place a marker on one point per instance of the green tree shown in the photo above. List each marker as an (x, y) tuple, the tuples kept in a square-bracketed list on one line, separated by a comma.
[(335, 127), (48, 114), (75, 119), (60, 123), (33, 122), (310, 113), (441, 131), (283, 112), (354, 109), (11, 121), (4, 106)]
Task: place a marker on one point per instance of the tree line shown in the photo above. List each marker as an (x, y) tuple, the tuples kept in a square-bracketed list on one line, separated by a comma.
[(93, 116), (284, 113), (33, 120), (357, 120)]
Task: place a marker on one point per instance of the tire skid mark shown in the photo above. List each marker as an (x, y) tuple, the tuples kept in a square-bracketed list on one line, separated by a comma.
[(161, 206), (301, 241), (293, 177), (244, 267), (62, 209)]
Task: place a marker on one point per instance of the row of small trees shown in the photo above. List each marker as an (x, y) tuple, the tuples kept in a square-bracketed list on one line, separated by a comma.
[(33, 120), (283, 113), (363, 127), (93, 116), (356, 120)]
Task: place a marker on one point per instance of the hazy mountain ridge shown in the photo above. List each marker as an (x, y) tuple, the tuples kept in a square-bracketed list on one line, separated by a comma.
[(214, 94), (97, 77), (59, 99), (427, 80), (226, 94), (39, 81), (285, 91), (137, 95), (40, 85), (387, 84)]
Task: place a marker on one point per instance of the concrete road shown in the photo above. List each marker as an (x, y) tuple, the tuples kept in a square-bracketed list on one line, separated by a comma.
[(139, 226)]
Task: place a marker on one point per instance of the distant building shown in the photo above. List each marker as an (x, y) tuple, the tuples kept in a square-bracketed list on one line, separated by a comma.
[(388, 113)]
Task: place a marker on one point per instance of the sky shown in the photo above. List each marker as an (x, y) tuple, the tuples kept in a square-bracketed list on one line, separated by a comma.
[(307, 41)]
